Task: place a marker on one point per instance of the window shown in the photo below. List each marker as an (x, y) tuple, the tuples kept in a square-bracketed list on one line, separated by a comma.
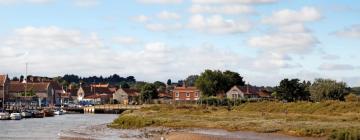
[(196, 94), (177, 94), (187, 94)]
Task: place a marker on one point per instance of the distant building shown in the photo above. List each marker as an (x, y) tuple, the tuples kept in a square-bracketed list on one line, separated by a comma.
[(186, 93), (243, 92), (4, 88), (41, 93), (126, 96), (100, 92)]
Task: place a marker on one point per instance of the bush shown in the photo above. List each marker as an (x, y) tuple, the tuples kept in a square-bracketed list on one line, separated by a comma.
[(347, 134), (131, 121), (214, 101), (352, 98)]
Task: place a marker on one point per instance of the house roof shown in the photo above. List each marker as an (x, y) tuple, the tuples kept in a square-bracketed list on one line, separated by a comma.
[(36, 87), (97, 96), (185, 89), (165, 95), (2, 79), (101, 90), (248, 89), (131, 92), (72, 91)]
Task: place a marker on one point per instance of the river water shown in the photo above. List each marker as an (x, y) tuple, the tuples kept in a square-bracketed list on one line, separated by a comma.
[(86, 126), (93, 126)]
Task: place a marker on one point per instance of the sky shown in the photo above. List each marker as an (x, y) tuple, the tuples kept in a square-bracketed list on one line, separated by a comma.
[(263, 40)]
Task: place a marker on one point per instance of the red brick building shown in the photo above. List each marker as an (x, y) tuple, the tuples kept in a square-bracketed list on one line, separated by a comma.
[(186, 94)]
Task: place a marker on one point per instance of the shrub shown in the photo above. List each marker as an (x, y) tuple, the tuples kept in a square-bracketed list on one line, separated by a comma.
[(353, 134), (352, 98), (131, 121)]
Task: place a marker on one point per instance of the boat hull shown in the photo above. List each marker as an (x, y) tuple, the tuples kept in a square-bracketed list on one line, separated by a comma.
[(15, 116)]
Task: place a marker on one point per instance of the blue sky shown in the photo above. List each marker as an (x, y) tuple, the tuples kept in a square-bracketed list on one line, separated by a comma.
[(264, 40)]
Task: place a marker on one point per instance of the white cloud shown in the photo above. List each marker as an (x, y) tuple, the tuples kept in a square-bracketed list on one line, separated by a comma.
[(218, 25), (330, 57), (335, 67), (141, 18), (86, 3), (350, 32), (233, 1), (6, 2), (287, 16), (125, 40), (285, 42), (223, 9), (160, 27), (160, 1), (168, 15)]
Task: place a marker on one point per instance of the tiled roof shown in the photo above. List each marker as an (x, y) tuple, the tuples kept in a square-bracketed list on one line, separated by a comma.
[(165, 95), (96, 96), (16, 87), (131, 92), (249, 89)]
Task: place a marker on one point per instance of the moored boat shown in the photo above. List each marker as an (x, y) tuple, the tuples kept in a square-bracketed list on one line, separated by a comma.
[(49, 113), (4, 116), (26, 114), (15, 116), (38, 114)]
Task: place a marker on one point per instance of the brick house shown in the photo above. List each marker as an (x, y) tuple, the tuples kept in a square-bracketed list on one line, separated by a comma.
[(186, 93)]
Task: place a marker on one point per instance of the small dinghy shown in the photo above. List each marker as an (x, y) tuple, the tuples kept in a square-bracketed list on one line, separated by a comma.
[(26, 114), (4, 116), (15, 116)]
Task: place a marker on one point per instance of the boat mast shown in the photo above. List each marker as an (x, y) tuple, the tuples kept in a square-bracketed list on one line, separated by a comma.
[(26, 73)]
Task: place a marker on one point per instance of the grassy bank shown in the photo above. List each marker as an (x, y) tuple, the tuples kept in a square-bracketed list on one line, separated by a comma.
[(333, 119)]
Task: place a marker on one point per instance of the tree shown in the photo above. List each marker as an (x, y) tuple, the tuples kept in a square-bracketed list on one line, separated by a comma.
[(168, 82), (291, 90), (159, 84), (190, 80), (214, 82), (15, 79), (327, 89), (149, 92), (124, 85), (21, 78), (139, 85)]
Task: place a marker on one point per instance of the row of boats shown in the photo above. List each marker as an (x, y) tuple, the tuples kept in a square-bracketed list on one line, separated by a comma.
[(31, 114)]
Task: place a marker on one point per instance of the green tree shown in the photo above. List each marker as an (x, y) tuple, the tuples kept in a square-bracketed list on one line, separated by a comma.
[(213, 82), (169, 82), (149, 92), (190, 80), (327, 89), (139, 85), (291, 90), (124, 85), (159, 84)]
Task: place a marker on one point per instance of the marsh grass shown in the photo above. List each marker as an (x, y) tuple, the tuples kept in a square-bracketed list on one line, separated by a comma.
[(330, 118)]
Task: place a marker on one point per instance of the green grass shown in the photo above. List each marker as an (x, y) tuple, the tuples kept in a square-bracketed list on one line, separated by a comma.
[(332, 118)]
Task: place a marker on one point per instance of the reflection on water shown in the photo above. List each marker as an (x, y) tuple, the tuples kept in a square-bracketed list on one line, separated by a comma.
[(71, 125)]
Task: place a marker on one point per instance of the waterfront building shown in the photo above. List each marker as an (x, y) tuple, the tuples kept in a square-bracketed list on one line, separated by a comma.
[(185, 93), (4, 89), (126, 96)]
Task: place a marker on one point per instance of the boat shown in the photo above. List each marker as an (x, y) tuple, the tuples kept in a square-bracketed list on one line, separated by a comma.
[(49, 113), (15, 116), (59, 112), (38, 114), (26, 114), (4, 116)]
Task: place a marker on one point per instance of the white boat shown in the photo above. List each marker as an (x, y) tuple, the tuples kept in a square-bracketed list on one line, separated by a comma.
[(4, 116), (26, 114), (58, 112), (15, 116)]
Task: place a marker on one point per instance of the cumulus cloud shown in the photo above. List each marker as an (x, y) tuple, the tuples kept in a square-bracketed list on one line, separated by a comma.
[(125, 40), (287, 16), (6, 2), (140, 18), (336, 67), (223, 9), (285, 42), (234, 1), (168, 15), (350, 32), (160, 1), (218, 25), (160, 27), (86, 3)]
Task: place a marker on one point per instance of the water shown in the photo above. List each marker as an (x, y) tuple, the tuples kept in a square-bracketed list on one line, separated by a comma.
[(86, 126)]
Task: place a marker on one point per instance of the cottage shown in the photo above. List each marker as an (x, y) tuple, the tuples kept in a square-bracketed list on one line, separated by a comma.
[(242, 92), (4, 88), (126, 96), (186, 93), (94, 89), (98, 98)]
